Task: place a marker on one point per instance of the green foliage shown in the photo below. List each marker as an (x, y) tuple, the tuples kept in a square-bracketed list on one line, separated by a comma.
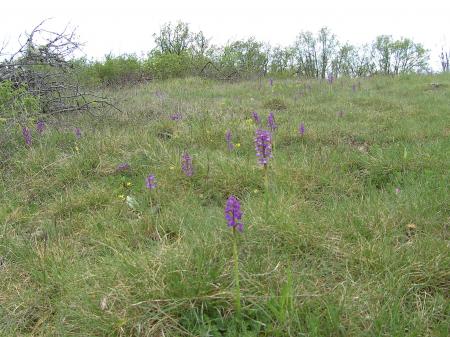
[(180, 52), (282, 61), (245, 57), (114, 70), (314, 54), (16, 101), (168, 65), (85, 71), (353, 61), (119, 69), (399, 56), (179, 39), (306, 57)]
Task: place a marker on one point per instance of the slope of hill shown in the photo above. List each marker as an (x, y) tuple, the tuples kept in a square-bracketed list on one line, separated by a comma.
[(354, 241)]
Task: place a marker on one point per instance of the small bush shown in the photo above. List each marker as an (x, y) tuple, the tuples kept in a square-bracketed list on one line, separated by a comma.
[(167, 65), (275, 104), (16, 101), (119, 70)]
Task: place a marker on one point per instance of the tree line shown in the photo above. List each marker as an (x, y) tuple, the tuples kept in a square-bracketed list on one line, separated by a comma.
[(180, 52)]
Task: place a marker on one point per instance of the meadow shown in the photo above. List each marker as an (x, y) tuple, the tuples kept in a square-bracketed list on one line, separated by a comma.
[(350, 237)]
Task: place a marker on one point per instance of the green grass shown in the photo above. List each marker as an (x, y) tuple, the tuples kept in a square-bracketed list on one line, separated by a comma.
[(336, 257)]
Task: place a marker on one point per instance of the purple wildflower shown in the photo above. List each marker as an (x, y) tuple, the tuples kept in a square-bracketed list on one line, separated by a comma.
[(256, 118), (271, 122), (123, 167), (176, 116), (159, 94), (40, 126), (78, 132), (26, 135), (150, 182), (271, 81), (301, 129), (397, 190), (330, 78), (263, 146), (186, 164), (228, 139), (233, 213)]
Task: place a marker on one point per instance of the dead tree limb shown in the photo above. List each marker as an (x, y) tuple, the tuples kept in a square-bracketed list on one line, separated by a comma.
[(43, 66)]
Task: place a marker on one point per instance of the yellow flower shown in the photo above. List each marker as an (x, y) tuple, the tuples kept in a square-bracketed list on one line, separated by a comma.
[(237, 144), (121, 197), (255, 191), (129, 184), (172, 167), (77, 149)]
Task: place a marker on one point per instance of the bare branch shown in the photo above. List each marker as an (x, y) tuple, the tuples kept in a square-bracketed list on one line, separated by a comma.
[(43, 66)]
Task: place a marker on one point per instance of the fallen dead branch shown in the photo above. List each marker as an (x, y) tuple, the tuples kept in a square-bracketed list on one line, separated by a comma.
[(43, 65)]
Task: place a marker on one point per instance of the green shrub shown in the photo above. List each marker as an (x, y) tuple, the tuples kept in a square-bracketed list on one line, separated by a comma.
[(118, 70), (275, 104), (16, 101), (244, 57), (168, 65)]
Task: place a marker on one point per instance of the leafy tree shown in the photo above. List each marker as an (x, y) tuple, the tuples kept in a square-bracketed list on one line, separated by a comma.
[(173, 39), (343, 63), (306, 55), (178, 39), (179, 52), (199, 44), (362, 59), (327, 44), (245, 57), (444, 57), (382, 53), (408, 56), (314, 54), (282, 60), (399, 56), (353, 61)]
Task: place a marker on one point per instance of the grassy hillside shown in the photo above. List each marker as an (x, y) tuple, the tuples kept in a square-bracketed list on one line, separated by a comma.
[(355, 241)]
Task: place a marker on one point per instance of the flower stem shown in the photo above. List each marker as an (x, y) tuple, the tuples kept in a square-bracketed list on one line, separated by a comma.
[(266, 192), (236, 274)]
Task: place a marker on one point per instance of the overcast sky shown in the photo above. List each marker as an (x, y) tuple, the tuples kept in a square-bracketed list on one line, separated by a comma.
[(127, 26)]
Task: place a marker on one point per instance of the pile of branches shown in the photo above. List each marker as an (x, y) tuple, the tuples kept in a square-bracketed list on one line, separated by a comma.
[(42, 65)]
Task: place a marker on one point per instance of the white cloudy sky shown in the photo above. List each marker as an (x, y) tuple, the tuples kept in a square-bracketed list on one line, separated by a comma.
[(127, 26)]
